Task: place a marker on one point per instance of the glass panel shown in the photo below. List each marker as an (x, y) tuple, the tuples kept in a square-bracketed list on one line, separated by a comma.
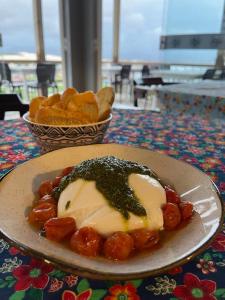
[(107, 29), (51, 29), (50, 12), (192, 17), (141, 25), (17, 27)]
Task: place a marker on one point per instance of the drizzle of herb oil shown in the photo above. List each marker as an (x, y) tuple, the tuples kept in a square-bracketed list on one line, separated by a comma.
[(111, 177), (67, 204)]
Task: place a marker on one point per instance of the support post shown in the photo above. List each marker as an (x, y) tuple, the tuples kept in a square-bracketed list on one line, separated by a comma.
[(80, 26), (116, 30), (221, 53), (38, 27)]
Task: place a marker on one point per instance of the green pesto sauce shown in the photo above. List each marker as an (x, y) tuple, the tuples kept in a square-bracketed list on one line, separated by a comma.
[(111, 177)]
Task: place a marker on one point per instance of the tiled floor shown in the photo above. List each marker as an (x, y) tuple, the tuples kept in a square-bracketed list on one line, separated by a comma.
[(125, 101)]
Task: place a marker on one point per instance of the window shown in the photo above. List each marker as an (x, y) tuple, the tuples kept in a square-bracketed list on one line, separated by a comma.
[(192, 17), (107, 29), (17, 26), (141, 25), (50, 15)]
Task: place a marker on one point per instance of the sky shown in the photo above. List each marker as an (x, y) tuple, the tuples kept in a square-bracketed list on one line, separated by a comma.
[(142, 23)]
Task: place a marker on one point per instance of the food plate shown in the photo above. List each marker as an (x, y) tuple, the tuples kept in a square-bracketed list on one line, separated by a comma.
[(17, 191)]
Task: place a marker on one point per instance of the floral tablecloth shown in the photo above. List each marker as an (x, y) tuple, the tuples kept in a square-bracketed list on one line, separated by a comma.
[(206, 98), (190, 139)]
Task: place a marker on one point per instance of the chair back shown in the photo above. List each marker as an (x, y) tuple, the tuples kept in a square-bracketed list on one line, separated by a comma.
[(222, 74), (5, 72), (11, 102), (125, 71), (209, 74), (145, 71), (45, 73)]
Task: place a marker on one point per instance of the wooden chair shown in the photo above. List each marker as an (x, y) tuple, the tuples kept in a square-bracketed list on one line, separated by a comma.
[(11, 102)]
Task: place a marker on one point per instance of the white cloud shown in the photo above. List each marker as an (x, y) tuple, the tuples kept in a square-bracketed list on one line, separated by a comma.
[(135, 19), (157, 30)]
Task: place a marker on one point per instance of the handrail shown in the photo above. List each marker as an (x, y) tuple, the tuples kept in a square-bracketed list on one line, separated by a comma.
[(104, 61)]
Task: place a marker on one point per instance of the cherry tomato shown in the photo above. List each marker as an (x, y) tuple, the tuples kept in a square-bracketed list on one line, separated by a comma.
[(86, 241), (144, 238), (56, 181), (186, 209), (45, 188), (171, 195), (57, 229), (118, 246), (42, 212), (171, 216), (66, 171), (47, 199)]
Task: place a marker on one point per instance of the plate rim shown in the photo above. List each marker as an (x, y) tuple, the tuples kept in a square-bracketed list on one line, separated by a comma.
[(92, 274)]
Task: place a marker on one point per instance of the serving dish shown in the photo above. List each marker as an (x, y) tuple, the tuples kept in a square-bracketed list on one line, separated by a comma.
[(53, 137), (17, 193)]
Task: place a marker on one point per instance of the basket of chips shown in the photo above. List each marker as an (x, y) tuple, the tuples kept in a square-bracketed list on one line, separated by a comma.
[(70, 119)]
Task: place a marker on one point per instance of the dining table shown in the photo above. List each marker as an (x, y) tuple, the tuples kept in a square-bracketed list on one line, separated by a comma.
[(195, 140), (205, 97)]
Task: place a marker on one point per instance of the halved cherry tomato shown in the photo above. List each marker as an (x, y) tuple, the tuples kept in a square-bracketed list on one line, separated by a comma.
[(56, 181), (57, 229), (144, 238), (41, 213), (47, 199), (171, 195), (171, 216), (45, 188), (186, 209), (66, 171), (86, 241), (118, 246)]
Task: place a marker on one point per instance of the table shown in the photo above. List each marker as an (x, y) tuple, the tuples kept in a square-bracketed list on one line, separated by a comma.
[(109, 71), (179, 75), (191, 139), (206, 98)]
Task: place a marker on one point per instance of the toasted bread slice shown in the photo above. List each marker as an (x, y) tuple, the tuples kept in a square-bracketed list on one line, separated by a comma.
[(86, 104), (34, 106), (72, 107), (66, 96), (52, 100), (105, 99), (54, 116)]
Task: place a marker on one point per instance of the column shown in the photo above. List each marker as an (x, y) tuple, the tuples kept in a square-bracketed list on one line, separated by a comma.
[(116, 30), (39, 38), (38, 27), (80, 26), (221, 53)]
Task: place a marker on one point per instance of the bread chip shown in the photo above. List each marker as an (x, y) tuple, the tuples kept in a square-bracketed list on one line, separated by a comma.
[(72, 108), (52, 100), (53, 116), (105, 99), (86, 104), (34, 106), (66, 96)]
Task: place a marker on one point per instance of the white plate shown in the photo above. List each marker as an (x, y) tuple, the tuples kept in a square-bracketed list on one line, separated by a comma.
[(17, 191)]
